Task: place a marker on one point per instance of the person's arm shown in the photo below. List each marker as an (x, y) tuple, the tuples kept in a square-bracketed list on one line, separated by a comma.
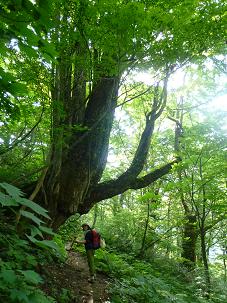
[(80, 241)]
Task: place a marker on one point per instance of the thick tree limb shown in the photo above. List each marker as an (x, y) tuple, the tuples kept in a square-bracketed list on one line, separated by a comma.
[(141, 152), (158, 104), (115, 187), (129, 180)]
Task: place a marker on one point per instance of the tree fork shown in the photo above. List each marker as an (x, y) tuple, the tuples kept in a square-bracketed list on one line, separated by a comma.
[(84, 159)]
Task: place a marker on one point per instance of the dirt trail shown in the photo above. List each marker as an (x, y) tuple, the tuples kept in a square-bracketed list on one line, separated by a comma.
[(73, 275)]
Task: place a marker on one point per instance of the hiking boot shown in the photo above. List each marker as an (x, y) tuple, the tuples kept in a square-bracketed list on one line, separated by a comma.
[(91, 279)]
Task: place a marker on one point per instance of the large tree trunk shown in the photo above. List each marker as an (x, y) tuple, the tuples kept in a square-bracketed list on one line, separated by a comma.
[(84, 97), (79, 157)]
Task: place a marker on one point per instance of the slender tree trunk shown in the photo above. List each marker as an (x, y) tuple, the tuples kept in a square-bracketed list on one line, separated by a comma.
[(203, 232), (142, 249), (205, 262), (224, 263), (168, 248), (190, 233)]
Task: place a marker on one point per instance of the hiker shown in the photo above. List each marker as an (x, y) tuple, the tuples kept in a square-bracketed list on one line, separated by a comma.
[(88, 243)]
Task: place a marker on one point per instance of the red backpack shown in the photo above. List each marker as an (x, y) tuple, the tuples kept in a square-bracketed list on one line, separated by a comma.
[(95, 239)]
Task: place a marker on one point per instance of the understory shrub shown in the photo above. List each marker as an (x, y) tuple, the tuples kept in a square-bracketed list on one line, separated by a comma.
[(24, 248), (162, 281)]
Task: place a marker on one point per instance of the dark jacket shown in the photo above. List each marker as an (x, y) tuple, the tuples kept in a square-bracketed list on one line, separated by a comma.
[(89, 240)]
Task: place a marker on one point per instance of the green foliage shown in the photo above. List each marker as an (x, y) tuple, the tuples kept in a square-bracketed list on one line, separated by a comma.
[(13, 198), (19, 279), (113, 264), (71, 229), (65, 296), (24, 42), (103, 39), (61, 246), (23, 27), (163, 280)]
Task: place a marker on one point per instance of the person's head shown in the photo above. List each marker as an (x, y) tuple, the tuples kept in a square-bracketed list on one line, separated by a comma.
[(85, 226)]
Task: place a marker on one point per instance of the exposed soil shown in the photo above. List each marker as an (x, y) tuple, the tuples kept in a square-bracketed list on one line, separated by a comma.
[(73, 275)]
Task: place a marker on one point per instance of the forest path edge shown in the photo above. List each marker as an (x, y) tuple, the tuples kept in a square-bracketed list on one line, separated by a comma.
[(73, 276)]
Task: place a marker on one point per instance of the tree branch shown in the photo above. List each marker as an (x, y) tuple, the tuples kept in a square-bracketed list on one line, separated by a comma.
[(158, 104), (109, 189), (129, 180), (18, 140)]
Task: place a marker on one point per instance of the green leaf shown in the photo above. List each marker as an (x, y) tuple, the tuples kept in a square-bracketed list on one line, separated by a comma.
[(47, 230), (148, 196), (30, 52), (5, 200), (36, 231), (32, 38), (48, 49), (31, 216), (19, 296), (48, 244), (12, 190), (44, 243), (31, 276), (3, 50), (8, 275), (18, 89), (32, 239), (34, 206), (6, 76), (40, 297)]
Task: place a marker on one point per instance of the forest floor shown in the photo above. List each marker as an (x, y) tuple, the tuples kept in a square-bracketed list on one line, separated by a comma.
[(73, 275)]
